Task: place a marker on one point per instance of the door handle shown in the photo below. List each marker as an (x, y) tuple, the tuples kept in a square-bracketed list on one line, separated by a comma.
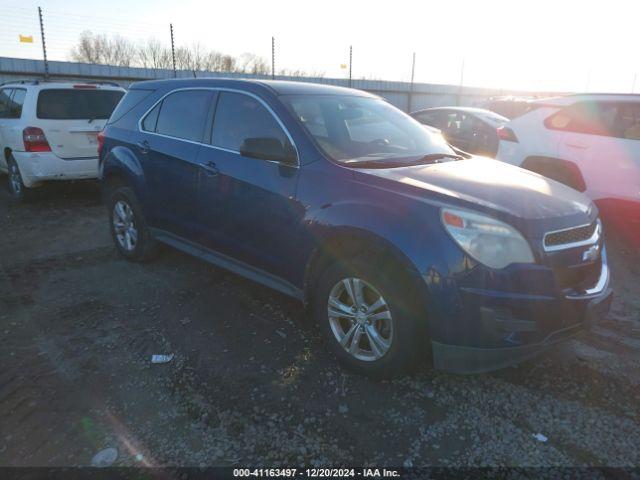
[(143, 146), (576, 145), (211, 168)]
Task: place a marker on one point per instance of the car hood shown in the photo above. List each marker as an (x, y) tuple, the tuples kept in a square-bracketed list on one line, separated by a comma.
[(480, 183)]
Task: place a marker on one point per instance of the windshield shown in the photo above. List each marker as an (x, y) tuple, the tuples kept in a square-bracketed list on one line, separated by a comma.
[(363, 130)]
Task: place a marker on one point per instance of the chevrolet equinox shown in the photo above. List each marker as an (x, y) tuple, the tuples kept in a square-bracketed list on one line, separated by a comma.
[(399, 245)]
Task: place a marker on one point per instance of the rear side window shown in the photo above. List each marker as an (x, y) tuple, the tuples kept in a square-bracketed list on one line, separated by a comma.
[(183, 114), (239, 117), (16, 102), (77, 104), (5, 96), (611, 119), (150, 121), (128, 102)]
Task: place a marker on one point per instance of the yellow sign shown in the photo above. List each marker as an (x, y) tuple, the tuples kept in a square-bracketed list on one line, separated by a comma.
[(343, 65), (26, 38)]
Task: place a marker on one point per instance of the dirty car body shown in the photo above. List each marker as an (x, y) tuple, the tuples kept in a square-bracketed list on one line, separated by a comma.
[(337, 183)]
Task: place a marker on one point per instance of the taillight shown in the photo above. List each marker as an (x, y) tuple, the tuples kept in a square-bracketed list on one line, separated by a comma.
[(505, 133), (100, 142), (34, 140), (85, 86)]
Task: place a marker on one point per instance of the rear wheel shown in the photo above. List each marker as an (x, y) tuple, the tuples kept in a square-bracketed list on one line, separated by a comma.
[(128, 227), (16, 186), (369, 319)]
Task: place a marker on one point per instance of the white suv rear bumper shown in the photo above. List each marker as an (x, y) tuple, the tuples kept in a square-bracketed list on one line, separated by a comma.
[(43, 166)]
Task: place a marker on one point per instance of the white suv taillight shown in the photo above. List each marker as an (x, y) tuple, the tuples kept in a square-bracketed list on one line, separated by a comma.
[(100, 142), (34, 140), (505, 133)]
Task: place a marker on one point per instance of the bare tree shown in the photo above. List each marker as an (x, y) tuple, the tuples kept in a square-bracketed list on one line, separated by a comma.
[(251, 63), (95, 48), (151, 53)]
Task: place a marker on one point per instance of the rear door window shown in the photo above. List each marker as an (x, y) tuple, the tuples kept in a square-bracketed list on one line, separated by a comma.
[(5, 96), (16, 102), (629, 121), (183, 114), (77, 104), (239, 117)]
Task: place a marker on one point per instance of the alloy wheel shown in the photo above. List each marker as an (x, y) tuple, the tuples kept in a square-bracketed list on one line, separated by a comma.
[(15, 179), (124, 226), (360, 319)]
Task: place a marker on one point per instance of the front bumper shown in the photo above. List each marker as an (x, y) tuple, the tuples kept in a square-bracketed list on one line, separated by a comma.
[(36, 167), (531, 323)]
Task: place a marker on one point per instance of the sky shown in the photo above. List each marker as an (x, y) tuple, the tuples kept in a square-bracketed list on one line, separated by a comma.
[(530, 45)]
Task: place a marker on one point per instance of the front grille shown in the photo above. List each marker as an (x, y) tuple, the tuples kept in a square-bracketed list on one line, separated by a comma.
[(580, 277), (571, 235)]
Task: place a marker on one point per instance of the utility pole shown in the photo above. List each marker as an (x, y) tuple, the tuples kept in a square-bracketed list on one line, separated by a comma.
[(413, 72), (461, 82), (273, 58), (44, 45), (350, 63), (633, 85), (173, 51)]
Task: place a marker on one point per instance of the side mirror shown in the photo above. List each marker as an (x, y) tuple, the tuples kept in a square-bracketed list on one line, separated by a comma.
[(268, 148)]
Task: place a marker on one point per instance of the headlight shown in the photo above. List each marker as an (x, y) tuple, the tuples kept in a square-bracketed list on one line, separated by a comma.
[(489, 241)]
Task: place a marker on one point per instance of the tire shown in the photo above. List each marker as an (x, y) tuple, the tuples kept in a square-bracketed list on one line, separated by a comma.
[(129, 230), (18, 191), (400, 324)]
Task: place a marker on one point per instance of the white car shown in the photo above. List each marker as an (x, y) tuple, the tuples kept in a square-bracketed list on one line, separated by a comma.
[(48, 131), (590, 142)]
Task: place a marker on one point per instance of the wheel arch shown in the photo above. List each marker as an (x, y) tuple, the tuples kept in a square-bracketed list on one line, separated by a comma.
[(563, 171), (121, 167), (340, 244)]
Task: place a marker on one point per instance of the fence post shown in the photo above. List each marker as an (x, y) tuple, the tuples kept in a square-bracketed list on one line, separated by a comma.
[(413, 72), (44, 45), (273, 58), (461, 83), (350, 62), (173, 51)]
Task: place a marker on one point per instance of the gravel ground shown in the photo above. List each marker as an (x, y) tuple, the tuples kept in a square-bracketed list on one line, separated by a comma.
[(250, 383)]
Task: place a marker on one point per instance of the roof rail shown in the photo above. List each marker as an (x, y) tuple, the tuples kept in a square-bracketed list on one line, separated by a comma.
[(20, 82)]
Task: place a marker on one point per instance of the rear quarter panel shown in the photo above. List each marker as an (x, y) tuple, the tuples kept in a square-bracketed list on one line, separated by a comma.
[(534, 139)]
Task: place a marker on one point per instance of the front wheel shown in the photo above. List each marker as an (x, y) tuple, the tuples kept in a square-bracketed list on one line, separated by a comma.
[(369, 319)]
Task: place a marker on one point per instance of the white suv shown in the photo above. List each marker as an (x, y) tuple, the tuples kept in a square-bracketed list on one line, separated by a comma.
[(48, 131), (590, 142)]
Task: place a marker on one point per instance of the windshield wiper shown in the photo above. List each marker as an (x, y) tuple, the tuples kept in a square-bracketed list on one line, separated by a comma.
[(386, 162), (435, 158)]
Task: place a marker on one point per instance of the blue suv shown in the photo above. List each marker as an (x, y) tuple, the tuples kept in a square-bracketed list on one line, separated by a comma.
[(398, 245)]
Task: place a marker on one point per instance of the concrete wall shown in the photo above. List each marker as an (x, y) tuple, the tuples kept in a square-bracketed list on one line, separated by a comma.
[(398, 93)]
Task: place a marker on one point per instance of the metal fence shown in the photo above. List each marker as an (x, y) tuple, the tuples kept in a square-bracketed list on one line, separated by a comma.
[(404, 95)]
